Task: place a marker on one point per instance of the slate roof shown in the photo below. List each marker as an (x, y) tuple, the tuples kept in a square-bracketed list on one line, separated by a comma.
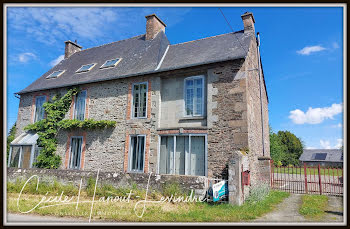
[(333, 155), (140, 57)]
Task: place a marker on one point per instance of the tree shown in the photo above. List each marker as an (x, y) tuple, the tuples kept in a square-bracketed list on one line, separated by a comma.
[(10, 138), (278, 150), (285, 148), (293, 145)]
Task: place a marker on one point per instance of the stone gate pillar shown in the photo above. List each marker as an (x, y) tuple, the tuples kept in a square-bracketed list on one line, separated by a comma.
[(235, 180)]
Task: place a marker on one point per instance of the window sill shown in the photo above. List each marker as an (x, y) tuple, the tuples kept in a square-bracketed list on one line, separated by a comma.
[(193, 118)]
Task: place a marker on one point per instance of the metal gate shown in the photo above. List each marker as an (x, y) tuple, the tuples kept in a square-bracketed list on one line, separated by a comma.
[(307, 179)]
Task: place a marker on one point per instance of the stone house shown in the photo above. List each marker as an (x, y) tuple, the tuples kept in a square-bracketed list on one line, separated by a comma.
[(180, 109), (323, 157)]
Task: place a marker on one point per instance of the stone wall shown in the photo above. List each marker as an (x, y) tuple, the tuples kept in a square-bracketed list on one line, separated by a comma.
[(228, 122), (156, 182), (255, 135), (232, 119)]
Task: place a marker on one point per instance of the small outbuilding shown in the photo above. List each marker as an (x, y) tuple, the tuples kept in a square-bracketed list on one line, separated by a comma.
[(323, 157)]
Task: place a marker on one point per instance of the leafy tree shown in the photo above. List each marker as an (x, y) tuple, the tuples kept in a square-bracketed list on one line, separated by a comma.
[(278, 150), (294, 147), (285, 148), (10, 138)]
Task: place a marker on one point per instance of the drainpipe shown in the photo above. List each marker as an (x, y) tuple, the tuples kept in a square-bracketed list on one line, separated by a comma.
[(261, 103)]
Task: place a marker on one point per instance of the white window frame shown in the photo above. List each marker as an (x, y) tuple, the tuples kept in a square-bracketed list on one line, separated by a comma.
[(185, 94), (188, 153), (81, 71), (20, 155), (130, 154), (75, 104), (132, 100), (40, 96), (53, 77), (112, 66), (70, 152)]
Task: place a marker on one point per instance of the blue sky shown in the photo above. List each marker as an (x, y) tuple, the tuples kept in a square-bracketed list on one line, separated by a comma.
[(301, 49)]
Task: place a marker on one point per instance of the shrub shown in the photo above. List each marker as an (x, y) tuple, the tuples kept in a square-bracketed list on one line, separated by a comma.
[(172, 189), (258, 193)]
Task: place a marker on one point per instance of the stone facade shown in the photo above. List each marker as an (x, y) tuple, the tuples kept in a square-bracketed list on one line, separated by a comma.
[(232, 119)]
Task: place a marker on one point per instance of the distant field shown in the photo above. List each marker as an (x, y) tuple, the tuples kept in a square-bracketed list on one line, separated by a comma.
[(309, 171)]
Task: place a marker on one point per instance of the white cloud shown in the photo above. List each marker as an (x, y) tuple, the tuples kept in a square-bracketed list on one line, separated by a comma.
[(339, 125), (25, 57), (325, 144), (56, 61), (315, 115), (50, 25), (339, 143), (310, 147), (310, 49)]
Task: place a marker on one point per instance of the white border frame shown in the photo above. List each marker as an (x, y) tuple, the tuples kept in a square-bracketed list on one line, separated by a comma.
[(112, 66), (130, 154), (51, 77), (132, 100), (70, 152), (189, 152), (92, 66), (184, 96)]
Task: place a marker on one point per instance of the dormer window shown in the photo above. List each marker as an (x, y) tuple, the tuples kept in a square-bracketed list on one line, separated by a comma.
[(55, 74), (111, 63), (86, 68)]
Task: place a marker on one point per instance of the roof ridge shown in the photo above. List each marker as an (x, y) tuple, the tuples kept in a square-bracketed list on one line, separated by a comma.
[(110, 43), (207, 38)]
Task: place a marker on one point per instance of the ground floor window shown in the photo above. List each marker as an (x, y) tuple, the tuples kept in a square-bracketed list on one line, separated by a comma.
[(182, 155), (75, 152), (137, 153), (23, 156)]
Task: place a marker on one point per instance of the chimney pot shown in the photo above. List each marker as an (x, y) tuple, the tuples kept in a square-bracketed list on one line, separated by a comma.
[(248, 22), (153, 26), (71, 48)]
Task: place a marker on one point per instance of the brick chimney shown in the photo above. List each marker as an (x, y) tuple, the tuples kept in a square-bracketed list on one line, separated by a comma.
[(248, 21), (153, 26), (71, 48)]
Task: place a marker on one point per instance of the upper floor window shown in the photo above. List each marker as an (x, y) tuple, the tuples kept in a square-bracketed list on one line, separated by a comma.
[(111, 63), (86, 68), (75, 152), (39, 108), (80, 103), (194, 96), (55, 74), (139, 108)]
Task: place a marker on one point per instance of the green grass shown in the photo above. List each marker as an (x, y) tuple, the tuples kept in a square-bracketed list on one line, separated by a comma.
[(314, 206), (309, 171), (155, 212), (43, 188)]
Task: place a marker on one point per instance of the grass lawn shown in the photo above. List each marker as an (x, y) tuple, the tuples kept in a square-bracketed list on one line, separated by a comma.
[(154, 212), (309, 171), (314, 206)]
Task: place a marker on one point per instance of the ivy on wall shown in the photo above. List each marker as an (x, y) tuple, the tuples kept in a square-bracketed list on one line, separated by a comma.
[(48, 128)]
